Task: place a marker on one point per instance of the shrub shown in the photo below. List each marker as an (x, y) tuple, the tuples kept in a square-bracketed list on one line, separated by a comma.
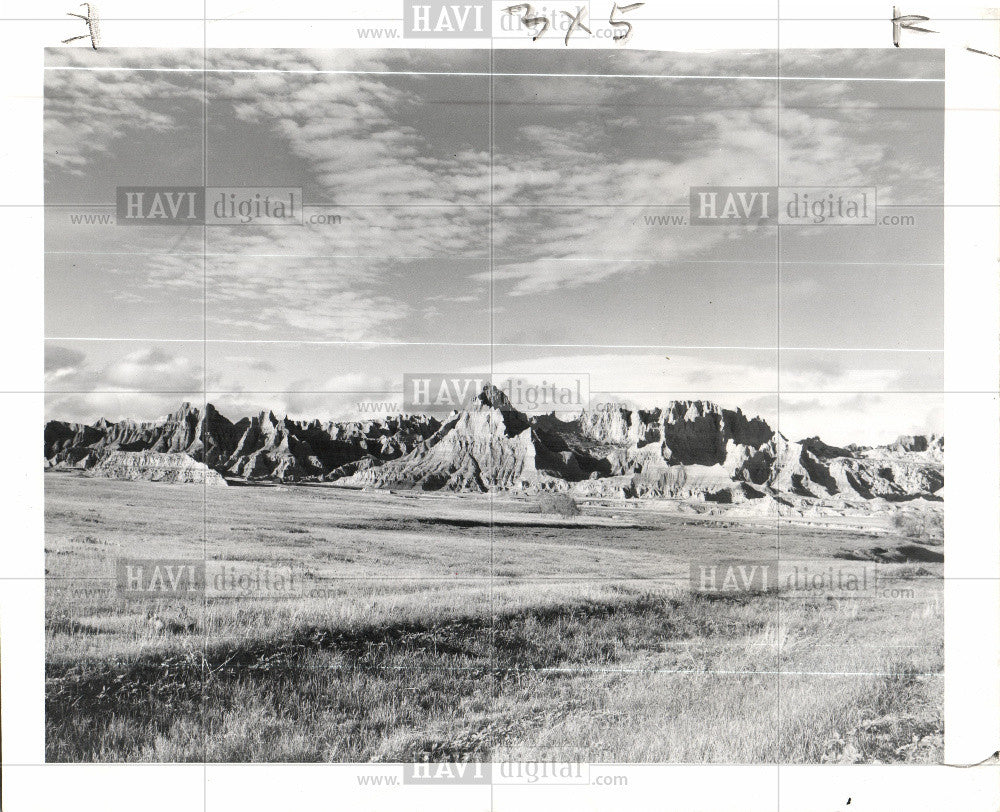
[(560, 503), (920, 525)]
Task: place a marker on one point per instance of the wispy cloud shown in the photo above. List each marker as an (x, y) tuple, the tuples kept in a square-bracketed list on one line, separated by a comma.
[(405, 160)]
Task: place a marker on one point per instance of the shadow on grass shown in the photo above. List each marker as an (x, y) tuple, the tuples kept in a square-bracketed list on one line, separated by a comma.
[(466, 658)]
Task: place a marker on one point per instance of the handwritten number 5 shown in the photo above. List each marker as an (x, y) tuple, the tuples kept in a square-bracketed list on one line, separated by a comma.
[(622, 36)]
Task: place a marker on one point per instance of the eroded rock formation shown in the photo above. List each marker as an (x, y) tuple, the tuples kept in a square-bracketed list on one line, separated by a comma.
[(684, 449)]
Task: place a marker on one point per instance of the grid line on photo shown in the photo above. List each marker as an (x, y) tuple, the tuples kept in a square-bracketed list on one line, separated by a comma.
[(593, 391), (204, 371), (565, 75), (494, 683), (639, 17), (777, 336), (553, 259), (369, 342), (529, 206), (721, 19), (538, 580)]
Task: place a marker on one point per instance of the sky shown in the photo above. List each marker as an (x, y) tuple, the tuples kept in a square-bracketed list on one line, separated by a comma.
[(519, 235)]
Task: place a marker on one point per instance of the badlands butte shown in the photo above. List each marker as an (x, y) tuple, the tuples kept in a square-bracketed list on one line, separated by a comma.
[(685, 450)]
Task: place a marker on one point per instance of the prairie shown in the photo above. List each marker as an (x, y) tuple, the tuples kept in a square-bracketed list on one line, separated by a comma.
[(449, 627)]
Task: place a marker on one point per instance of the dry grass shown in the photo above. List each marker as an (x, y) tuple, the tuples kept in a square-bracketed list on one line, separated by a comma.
[(425, 655)]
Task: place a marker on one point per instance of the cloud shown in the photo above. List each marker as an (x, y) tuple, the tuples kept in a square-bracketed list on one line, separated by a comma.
[(291, 297), (575, 161), (143, 370), (87, 112), (90, 407), (154, 369), (62, 360), (413, 151), (651, 378), (308, 389), (861, 371), (144, 383), (862, 418)]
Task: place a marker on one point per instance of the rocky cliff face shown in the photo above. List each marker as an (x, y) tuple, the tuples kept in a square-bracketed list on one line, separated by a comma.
[(489, 446), (684, 449), (155, 466), (255, 448), (203, 437)]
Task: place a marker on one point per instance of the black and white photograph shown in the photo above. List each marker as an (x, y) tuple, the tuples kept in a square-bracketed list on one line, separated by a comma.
[(529, 413), (490, 367)]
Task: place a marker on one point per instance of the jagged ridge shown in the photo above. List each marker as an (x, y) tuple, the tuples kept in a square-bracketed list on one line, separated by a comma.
[(685, 449)]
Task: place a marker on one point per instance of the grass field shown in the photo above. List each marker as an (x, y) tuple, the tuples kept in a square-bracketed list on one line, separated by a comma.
[(448, 627)]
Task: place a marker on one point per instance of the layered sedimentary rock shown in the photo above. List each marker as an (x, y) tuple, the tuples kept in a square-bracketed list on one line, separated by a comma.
[(257, 448), (683, 449), (202, 436), (487, 446), (155, 466), (272, 448)]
